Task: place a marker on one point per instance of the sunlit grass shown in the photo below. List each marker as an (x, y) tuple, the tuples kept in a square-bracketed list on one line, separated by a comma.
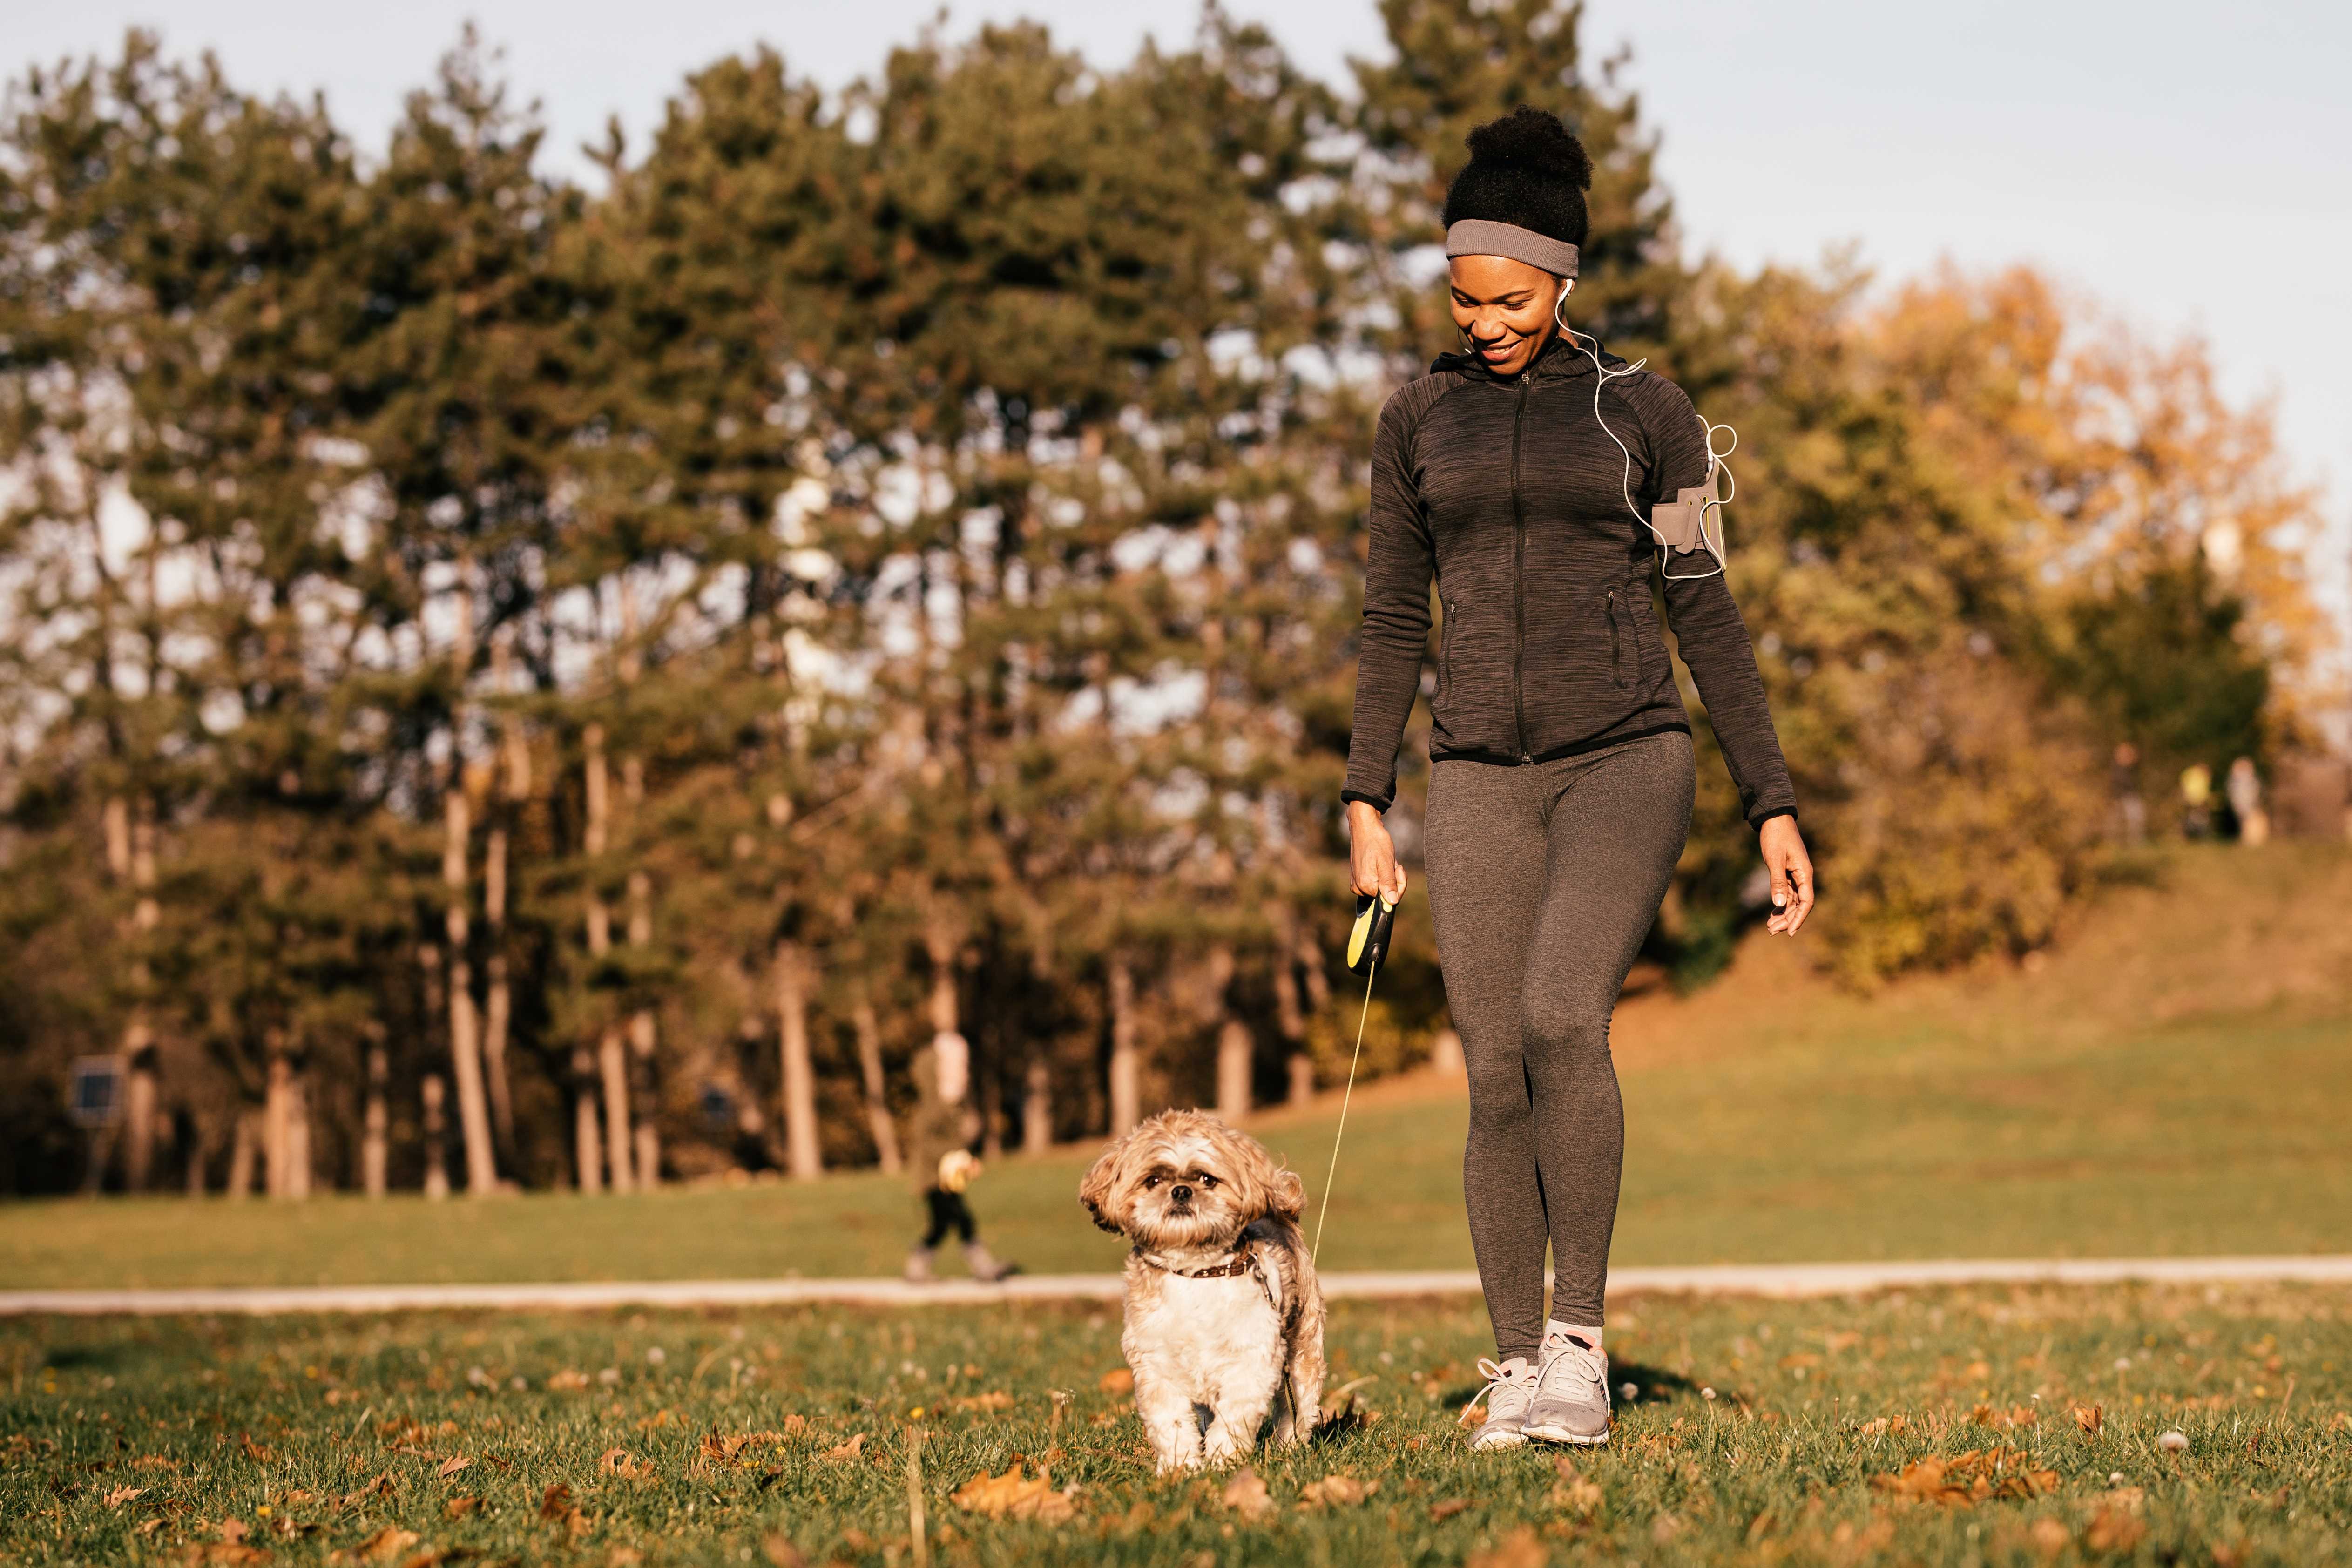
[(159, 1439)]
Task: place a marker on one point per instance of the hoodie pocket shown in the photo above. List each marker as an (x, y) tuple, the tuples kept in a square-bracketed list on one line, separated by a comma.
[(1617, 635)]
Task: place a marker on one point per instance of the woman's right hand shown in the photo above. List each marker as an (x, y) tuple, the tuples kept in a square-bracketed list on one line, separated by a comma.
[(1371, 855)]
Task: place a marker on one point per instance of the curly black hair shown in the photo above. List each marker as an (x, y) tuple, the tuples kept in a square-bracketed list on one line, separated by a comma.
[(1525, 169)]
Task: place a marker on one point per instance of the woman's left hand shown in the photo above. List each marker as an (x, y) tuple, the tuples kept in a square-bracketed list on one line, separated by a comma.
[(1793, 874)]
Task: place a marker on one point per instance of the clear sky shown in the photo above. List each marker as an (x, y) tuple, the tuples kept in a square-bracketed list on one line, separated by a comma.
[(2190, 167)]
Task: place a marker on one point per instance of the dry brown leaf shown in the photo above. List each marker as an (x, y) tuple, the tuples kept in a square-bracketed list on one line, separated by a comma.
[(1117, 1381), (555, 1502), (1335, 1491), (657, 1420), (620, 1462), (2089, 1417), (230, 1554), (1439, 1512), (781, 1551), (1520, 1549), (233, 1530), (1246, 1495), (570, 1380), (122, 1495), (382, 1547), (460, 1507), (994, 1399), (154, 1462), (253, 1450), (2117, 1527), (1578, 1496), (2048, 1536), (451, 1465), (1009, 1496), (1923, 1480), (848, 1450), (150, 1526)]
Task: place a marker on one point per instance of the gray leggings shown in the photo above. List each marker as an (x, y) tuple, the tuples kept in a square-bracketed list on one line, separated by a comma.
[(1543, 882)]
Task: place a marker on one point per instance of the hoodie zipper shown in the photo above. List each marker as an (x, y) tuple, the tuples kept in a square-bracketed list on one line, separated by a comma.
[(1518, 571)]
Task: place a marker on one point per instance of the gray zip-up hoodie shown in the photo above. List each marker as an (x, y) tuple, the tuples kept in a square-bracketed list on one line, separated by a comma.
[(1513, 495)]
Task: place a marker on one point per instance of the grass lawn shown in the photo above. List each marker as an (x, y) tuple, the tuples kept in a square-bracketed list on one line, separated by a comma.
[(782, 1437), (2175, 1080)]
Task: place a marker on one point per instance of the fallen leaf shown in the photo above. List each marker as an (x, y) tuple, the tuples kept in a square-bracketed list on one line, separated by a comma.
[(233, 1530), (1246, 1495), (1439, 1512), (151, 1526), (2049, 1536), (621, 1462), (1923, 1480), (1578, 1496), (1117, 1381), (154, 1462), (382, 1547), (230, 1554), (657, 1420), (994, 1399), (848, 1450), (122, 1495), (1335, 1491), (1009, 1496), (1664, 1527), (2117, 1527), (782, 1553), (460, 1507), (1520, 1549), (451, 1465), (555, 1502), (253, 1450), (2089, 1417), (570, 1380)]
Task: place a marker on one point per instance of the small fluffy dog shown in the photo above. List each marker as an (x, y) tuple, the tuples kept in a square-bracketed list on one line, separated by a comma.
[(1224, 1318)]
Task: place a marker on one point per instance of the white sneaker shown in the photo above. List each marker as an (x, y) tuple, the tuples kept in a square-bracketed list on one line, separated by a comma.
[(1510, 1390), (1571, 1394)]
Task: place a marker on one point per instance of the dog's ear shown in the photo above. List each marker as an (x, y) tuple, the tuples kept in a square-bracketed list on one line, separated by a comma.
[(1099, 1191), (1286, 1196)]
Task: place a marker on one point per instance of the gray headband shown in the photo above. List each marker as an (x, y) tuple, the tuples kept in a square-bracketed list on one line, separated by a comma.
[(1477, 237)]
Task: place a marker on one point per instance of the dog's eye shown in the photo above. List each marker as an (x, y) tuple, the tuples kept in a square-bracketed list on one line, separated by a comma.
[(1205, 1180), (1151, 1180)]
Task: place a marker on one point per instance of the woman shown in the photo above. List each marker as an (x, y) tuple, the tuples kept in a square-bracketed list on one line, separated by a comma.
[(1561, 775)]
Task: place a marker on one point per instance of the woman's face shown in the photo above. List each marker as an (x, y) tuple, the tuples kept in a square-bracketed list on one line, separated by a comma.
[(1504, 307)]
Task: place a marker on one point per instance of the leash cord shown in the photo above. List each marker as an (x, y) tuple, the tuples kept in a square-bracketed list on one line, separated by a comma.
[(1323, 1215)]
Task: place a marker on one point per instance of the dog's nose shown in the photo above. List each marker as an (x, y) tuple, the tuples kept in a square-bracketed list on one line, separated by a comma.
[(1180, 1194)]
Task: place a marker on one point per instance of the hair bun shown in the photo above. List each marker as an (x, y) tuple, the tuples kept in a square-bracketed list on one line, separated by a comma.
[(1535, 140)]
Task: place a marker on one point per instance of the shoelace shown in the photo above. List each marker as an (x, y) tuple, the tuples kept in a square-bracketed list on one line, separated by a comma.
[(1588, 1365), (1497, 1377)]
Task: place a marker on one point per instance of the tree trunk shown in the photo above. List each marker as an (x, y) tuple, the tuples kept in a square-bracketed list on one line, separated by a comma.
[(465, 1024), (611, 1064), (1126, 1071), (643, 1034), (1038, 1104), (436, 1140), (277, 1121), (803, 1157), (1233, 1070), (243, 1148), (613, 1069), (199, 1149), (131, 851), (587, 1143), (375, 1153), (878, 1101), (514, 751), (498, 1011), (1289, 1018), (298, 1136)]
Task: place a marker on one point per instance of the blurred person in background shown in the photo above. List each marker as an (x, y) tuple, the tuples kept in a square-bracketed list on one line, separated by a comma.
[(2197, 800), (940, 1157), (2131, 811)]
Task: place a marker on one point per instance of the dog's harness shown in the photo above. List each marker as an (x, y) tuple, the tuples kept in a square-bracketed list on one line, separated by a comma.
[(1244, 1261)]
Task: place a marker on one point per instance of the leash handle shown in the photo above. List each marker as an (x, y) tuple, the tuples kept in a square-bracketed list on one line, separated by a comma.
[(1323, 1215)]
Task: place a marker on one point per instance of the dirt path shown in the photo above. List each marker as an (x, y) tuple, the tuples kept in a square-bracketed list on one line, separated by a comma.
[(1787, 1280)]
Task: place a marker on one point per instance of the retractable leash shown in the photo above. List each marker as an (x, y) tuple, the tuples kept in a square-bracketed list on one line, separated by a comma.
[(1367, 943)]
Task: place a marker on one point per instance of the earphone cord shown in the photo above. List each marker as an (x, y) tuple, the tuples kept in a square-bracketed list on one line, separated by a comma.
[(1323, 1215), (1601, 376)]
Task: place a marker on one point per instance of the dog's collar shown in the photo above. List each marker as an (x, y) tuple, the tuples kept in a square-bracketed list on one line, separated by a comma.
[(1243, 1261)]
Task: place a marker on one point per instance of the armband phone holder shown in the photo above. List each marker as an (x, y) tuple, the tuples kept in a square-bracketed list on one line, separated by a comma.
[(1368, 941), (1681, 523)]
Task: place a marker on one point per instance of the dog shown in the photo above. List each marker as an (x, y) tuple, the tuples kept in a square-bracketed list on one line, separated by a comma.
[(1225, 1317)]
